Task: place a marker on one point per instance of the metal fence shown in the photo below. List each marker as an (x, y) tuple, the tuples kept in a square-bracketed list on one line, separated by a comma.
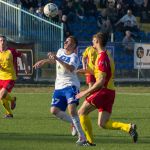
[(129, 65), (21, 26)]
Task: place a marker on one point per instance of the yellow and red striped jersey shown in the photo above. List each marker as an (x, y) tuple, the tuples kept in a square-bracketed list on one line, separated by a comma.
[(105, 67), (8, 65), (91, 54)]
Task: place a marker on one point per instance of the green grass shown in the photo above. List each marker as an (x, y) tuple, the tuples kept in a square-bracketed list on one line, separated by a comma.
[(34, 128)]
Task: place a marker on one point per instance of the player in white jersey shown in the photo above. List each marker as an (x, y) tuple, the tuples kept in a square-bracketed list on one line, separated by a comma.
[(66, 85), (64, 76)]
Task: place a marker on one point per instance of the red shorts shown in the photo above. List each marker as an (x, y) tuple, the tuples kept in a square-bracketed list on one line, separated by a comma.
[(7, 84), (103, 99), (90, 78)]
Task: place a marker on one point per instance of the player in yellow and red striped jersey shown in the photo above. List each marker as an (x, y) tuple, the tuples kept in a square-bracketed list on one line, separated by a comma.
[(88, 61), (8, 70), (102, 94)]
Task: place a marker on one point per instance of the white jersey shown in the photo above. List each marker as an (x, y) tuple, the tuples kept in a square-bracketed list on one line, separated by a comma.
[(64, 77)]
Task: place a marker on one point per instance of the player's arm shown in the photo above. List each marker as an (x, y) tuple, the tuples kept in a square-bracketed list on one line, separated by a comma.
[(40, 63), (96, 86), (69, 67), (84, 63)]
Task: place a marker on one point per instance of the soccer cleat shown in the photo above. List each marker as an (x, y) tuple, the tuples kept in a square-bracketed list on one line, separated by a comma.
[(133, 133), (8, 116), (81, 141), (73, 130), (13, 103), (89, 144)]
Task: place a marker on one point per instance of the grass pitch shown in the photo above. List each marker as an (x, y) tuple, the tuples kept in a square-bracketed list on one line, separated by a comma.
[(34, 128)]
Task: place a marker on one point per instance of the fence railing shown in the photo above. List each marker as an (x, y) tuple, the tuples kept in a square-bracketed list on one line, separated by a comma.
[(21, 26)]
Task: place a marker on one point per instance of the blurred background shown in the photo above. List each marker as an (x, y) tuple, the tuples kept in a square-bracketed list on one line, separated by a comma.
[(127, 23)]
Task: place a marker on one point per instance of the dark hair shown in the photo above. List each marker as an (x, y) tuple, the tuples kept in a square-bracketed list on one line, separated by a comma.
[(4, 37), (102, 38), (74, 39)]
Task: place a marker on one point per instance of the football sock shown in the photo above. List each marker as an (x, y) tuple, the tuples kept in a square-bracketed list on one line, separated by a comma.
[(117, 126), (87, 127), (63, 116), (6, 106), (8, 97), (76, 122)]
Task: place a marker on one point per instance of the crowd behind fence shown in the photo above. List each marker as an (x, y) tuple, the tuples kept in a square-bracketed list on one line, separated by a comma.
[(22, 26)]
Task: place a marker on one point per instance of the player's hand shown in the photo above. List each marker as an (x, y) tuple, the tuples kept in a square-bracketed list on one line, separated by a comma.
[(81, 94), (52, 56), (38, 64), (81, 71)]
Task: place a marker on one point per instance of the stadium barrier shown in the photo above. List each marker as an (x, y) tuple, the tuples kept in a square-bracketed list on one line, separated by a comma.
[(20, 25)]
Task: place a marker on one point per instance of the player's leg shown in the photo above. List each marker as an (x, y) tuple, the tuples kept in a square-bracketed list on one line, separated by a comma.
[(58, 107), (85, 120), (75, 119), (12, 101), (60, 114), (5, 103), (70, 93), (105, 122)]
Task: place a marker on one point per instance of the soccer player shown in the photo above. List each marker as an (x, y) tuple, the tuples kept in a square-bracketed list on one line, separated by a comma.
[(66, 85), (8, 74), (88, 61), (102, 94)]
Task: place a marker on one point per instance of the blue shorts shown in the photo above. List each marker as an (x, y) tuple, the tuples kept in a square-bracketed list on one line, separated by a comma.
[(63, 97)]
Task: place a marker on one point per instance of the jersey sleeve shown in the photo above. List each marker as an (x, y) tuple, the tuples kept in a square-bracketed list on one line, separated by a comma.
[(85, 53), (74, 61), (103, 63), (15, 53)]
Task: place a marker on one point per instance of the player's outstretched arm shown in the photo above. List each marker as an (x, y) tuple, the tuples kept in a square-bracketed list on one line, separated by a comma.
[(40, 63)]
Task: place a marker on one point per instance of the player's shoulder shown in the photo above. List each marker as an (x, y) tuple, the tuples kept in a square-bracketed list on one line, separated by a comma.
[(89, 48)]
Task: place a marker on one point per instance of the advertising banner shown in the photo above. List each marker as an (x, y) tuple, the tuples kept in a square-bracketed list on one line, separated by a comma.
[(141, 56), (21, 66)]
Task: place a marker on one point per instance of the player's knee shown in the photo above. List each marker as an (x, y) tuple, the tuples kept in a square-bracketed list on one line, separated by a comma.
[(53, 111), (81, 112), (72, 113)]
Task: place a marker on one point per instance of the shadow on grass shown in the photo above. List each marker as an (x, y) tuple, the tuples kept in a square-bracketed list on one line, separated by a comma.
[(36, 137), (59, 138)]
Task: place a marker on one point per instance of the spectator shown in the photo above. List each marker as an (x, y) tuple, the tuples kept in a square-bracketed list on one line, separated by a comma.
[(67, 31), (102, 18), (111, 11), (107, 27), (31, 10), (129, 22), (78, 8), (128, 43), (39, 12), (69, 11), (120, 11)]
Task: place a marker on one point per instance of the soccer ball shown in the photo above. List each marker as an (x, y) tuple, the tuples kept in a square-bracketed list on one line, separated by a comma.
[(50, 10)]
